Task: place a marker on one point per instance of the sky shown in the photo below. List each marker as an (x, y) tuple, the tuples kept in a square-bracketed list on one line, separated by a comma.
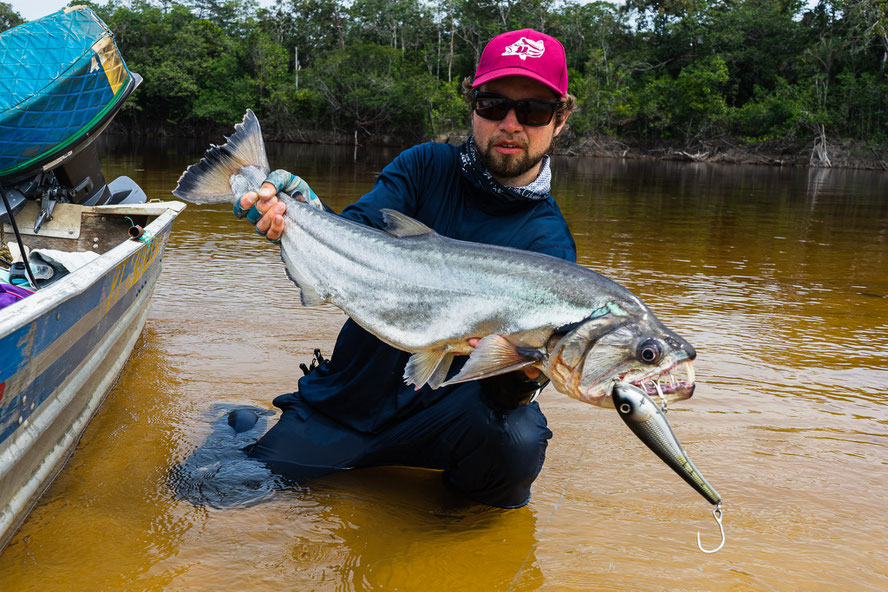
[(34, 9)]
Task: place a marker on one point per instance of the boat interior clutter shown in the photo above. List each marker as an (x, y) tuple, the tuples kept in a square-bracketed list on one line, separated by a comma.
[(62, 80)]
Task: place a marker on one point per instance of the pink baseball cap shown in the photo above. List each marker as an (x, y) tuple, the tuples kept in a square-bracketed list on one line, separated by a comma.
[(524, 53)]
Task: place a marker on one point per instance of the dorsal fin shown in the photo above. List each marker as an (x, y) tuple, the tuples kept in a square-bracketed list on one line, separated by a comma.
[(401, 225)]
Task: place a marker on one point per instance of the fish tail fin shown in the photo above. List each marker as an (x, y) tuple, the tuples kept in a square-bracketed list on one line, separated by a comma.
[(428, 367), (208, 181)]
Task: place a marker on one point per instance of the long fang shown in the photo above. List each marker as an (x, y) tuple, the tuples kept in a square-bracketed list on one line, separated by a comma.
[(662, 398)]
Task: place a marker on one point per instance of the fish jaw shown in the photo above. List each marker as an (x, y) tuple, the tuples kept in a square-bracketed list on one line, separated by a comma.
[(641, 352), (675, 383)]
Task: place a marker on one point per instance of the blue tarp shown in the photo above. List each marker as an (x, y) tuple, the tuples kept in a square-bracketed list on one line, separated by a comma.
[(59, 76)]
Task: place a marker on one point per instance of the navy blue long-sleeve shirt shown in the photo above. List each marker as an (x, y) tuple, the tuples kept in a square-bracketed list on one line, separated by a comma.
[(362, 386)]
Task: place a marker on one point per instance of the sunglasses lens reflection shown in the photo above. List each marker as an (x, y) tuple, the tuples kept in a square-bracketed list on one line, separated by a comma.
[(527, 111)]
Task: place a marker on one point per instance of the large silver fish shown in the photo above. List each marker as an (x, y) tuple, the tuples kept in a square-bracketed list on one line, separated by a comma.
[(427, 294)]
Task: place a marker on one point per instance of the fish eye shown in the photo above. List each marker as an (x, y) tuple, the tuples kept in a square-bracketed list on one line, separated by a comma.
[(649, 351)]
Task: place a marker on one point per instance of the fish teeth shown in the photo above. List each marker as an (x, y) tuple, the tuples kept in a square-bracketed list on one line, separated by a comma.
[(660, 393), (689, 366)]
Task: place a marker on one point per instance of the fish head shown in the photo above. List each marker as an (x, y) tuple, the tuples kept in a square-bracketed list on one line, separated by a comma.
[(637, 349)]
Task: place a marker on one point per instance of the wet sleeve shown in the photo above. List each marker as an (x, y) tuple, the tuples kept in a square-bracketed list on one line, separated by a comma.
[(512, 389), (397, 188)]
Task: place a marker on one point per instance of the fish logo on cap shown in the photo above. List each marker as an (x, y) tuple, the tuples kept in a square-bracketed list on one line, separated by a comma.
[(525, 48)]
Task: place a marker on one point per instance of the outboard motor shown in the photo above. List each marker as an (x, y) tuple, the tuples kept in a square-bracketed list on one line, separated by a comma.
[(62, 80)]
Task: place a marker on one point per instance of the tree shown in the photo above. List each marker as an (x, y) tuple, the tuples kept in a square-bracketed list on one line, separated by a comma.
[(644, 69), (373, 89), (9, 18), (230, 15), (867, 22), (691, 105)]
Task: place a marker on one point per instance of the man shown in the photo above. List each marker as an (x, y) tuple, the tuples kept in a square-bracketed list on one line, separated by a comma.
[(488, 436)]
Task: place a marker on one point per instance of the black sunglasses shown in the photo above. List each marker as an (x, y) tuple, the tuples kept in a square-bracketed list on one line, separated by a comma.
[(533, 112)]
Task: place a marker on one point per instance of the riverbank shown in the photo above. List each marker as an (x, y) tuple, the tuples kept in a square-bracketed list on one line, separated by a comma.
[(851, 154), (832, 154), (839, 153)]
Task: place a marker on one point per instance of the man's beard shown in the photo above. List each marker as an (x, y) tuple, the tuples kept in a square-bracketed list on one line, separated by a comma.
[(506, 166)]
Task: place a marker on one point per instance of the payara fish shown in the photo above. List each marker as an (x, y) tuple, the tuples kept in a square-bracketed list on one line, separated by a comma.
[(428, 294)]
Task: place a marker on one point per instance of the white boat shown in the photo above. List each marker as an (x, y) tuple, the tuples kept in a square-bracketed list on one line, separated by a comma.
[(63, 346)]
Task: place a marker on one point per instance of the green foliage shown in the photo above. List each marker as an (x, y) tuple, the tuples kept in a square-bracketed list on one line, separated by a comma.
[(374, 89), (777, 113), (605, 95), (689, 105), (686, 70), (9, 18), (862, 103)]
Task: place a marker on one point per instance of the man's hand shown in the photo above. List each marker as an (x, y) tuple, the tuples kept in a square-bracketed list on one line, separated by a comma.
[(532, 372), (263, 208)]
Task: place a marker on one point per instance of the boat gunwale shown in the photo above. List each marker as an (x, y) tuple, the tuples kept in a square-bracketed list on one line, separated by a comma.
[(20, 446), (80, 280)]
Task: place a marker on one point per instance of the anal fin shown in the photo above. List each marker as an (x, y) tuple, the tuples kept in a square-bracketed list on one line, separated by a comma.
[(440, 373), (428, 367)]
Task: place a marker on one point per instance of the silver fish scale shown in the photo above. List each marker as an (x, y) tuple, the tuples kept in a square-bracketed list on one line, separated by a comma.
[(249, 178), (424, 291)]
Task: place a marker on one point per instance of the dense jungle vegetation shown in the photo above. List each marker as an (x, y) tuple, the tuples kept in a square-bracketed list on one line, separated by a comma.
[(683, 73)]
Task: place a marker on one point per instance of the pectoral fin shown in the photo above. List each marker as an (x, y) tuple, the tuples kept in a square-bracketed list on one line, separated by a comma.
[(495, 355), (309, 295), (428, 367)]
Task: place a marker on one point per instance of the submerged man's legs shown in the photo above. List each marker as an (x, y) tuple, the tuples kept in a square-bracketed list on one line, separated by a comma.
[(304, 444), (490, 454)]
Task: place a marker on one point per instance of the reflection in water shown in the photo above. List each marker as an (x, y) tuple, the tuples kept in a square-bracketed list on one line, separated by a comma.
[(776, 276), (431, 532), (218, 473)]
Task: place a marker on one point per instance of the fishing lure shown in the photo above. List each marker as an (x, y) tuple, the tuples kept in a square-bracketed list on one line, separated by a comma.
[(648, 421)]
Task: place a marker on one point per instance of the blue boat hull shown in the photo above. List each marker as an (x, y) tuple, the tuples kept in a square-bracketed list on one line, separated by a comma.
[(60, 352)]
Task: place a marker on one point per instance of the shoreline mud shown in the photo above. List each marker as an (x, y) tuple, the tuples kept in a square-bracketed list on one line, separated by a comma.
[(838, 153)]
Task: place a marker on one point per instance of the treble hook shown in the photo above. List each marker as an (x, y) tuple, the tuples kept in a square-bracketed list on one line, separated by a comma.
[(717, 514)]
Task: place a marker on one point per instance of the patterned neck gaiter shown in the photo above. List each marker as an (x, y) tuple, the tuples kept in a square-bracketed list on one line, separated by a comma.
[(480, 177)]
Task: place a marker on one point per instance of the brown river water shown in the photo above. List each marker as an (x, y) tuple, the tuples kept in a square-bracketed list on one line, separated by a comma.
[(779, 278)]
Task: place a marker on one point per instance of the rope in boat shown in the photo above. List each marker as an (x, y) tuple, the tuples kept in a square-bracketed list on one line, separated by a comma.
[(558, 502), (18, 238)]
